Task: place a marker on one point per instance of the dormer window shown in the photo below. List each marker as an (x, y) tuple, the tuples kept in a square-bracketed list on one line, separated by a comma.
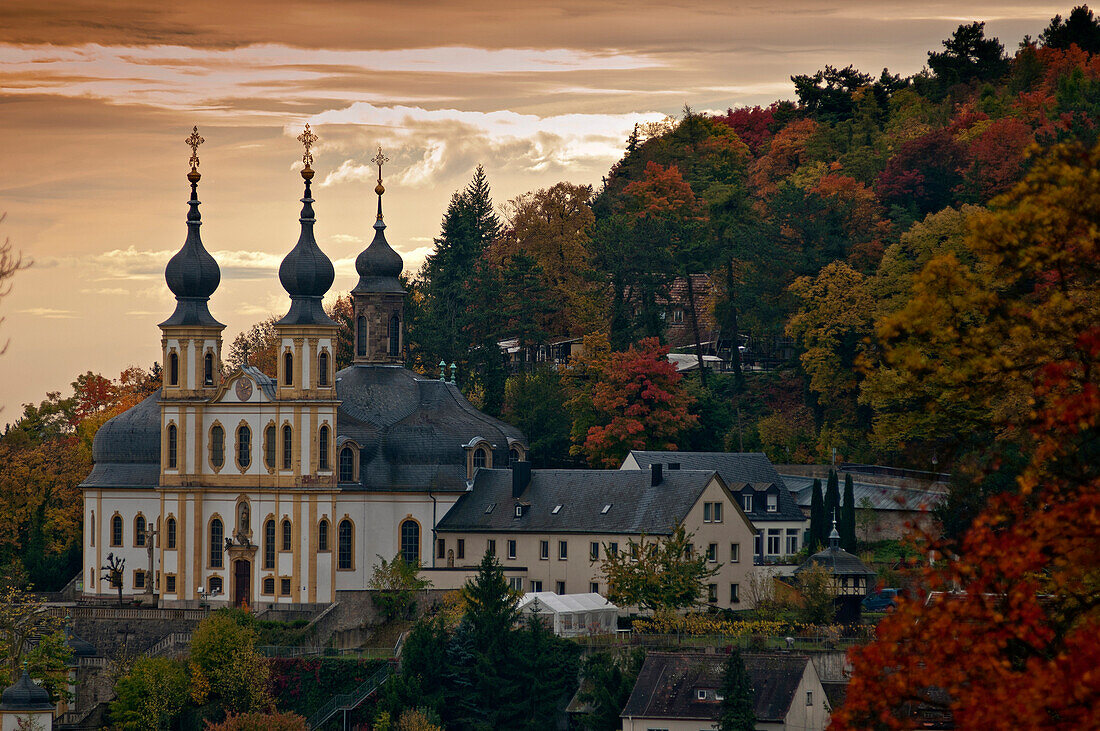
[(480, 457), (489, 508), (773, 502), (746, 500), (556, 510), (605, 509)]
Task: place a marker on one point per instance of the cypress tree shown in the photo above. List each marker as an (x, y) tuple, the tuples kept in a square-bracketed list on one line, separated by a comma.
[(847, 524), (832, 504), (817, 518), (736, 712)]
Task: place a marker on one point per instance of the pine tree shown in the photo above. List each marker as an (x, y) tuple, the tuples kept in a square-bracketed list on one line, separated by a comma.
[(737, 696), (847, 524), (817, 518), (832, 504), (462, 707), (490, 605)]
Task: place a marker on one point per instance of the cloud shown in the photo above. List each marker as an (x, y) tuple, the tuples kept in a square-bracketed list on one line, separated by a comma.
[(48, 313)]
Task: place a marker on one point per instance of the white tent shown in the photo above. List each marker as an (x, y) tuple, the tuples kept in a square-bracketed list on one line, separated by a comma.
[(571, 615)]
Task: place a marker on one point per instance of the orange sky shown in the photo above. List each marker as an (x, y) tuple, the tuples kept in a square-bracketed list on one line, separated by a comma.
[(97, 99)]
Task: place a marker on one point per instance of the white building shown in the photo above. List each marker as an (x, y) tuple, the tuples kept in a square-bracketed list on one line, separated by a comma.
[(254, 489)]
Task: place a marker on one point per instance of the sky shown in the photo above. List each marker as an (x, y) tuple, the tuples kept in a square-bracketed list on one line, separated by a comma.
[(97, 98)]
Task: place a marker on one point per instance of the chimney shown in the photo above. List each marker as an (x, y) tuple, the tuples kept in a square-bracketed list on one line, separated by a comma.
[(656, 474), (521, 477)]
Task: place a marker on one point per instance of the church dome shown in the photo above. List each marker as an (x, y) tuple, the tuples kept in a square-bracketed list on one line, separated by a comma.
[(306, 273), (25, 695), (126, 449), (377, 262), (192, 274)]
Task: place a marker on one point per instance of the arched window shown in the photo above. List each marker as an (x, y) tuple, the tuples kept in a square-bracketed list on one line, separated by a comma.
[(173, 369), (217, 542), (513, 455), (242, 517), (269, 544), (244, 447), (360, 335), (116, 530), (288, 368), (322, 368), (217, 446), (288, 447), (91, 528), (395, 335), (171, 446), (208, 370), (410, 541), (480, 457), (170, 530), (343, 539), (139, 531), (322, 449), (288, 536), (347, 464), (322, 535), (269, 447)]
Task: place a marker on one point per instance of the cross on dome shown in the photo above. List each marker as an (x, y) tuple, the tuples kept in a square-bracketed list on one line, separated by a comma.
[(308, 139), (194, 140)]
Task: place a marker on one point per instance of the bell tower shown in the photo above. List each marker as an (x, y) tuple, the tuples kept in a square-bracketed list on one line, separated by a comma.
[(378, 300)]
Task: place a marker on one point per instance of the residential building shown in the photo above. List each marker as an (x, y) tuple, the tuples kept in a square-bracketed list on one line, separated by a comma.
[(680, 691), (778, 524)]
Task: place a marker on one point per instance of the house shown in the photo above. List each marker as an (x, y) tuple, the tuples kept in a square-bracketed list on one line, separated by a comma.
[(571, 615), (679, 691), (553, 527), (884, 511), (779, 524)]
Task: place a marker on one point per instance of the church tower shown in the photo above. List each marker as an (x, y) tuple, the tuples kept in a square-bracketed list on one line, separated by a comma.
[(191, 341), (378, 299)]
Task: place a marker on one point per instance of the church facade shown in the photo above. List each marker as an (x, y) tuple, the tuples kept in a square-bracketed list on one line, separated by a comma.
[(246, 488)]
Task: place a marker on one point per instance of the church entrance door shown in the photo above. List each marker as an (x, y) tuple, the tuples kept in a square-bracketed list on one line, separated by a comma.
[(242, 580)]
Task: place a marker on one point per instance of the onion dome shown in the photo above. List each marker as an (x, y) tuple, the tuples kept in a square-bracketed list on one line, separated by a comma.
[(306, 273), (379, 265), (25, 695), (193, 274)]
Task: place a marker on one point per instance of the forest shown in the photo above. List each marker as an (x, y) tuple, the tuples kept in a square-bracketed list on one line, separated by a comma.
[(852, 239)]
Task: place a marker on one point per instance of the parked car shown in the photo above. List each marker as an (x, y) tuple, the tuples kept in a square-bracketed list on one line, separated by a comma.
[(882, 600)]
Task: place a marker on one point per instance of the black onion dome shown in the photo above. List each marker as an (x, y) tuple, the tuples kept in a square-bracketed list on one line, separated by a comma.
[(306, 273), (25, 695), (411, 431), (192, 274), (379, 265), (126, 449)]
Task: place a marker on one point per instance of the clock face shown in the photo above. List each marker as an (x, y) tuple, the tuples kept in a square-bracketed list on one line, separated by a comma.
[(244, 389)]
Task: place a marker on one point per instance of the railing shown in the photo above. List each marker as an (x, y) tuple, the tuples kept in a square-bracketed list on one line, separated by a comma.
[(745, 642), (348, 701), (169, 642), (115, 613)]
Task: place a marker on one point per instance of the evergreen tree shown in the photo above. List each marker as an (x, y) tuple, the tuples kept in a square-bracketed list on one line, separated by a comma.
[(490, 605), (609, 679), (737, 696), (832, 504), (547, 675), (1080, 28), (462, 708), (818, 531), (847, 524)]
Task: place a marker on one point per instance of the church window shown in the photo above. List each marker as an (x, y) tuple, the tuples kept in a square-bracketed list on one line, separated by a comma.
[(360, 335), (322, 368), (513, 455), (322, 535), (217, 542), (480, 457), (170, 529), (410, 541), (395, 335), (171, 446), (288, 368), (343, 558), (244, 447), (173, 369), (288, 535), (139, 579), (322, 449), (91, 528), (216, 586), (208, 370), (217, 446), (139, 531), (170, 584), (269, 544), (116, 530), (269, 585), (347, 464), (269, 447), (288, 446), (284, 587)]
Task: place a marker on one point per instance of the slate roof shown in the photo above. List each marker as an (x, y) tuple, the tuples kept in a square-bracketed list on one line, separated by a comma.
[(738, 470), (667, 685), (25, 695), (636, 505), (838, 561), (126, 449), (881, 497)]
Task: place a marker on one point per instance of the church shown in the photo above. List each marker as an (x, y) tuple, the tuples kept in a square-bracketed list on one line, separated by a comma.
[(247, 488)]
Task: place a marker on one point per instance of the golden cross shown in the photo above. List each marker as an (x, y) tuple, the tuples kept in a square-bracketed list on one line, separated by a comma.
[(307, 138), (380, 160), (194, 141)]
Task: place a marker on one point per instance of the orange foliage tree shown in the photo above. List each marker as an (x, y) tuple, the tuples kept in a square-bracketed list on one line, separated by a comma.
[(627, 400), (1011, 635)]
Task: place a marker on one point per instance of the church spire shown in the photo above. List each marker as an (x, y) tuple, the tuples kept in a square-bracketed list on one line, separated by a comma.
[(306, 273), (192, 274), (379, 265)]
